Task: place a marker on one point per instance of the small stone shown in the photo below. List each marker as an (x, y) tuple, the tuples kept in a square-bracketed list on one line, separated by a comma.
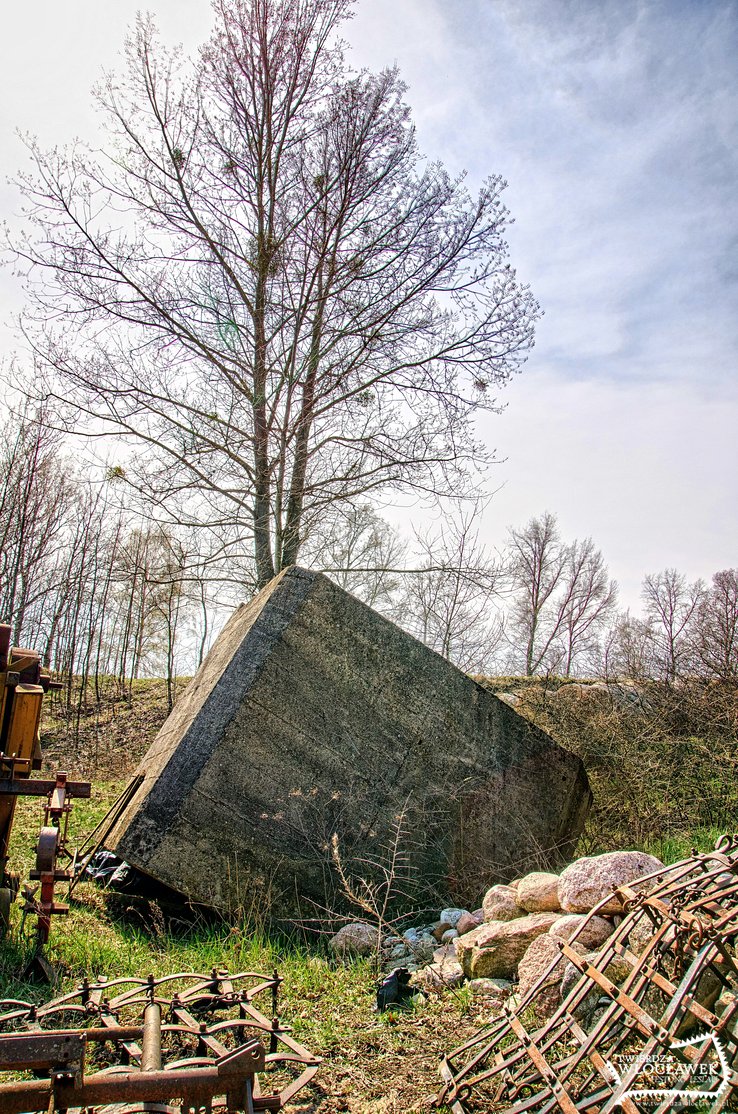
[(500, 904), (390, 942), (420, 943), (439, 975), (449, 935), (593, 935), (403, 961), (495, 949), (452, 916), (497, 990), (355, 939), (538, 892), (586, 882), (469, 921)]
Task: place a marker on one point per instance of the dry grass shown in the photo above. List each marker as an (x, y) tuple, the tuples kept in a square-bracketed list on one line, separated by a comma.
[(108, 737), (663, 769)]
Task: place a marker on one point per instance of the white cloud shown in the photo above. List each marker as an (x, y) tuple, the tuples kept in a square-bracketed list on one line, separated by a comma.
[(649, 474)]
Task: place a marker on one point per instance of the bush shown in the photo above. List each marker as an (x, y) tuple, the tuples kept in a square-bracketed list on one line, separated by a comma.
[(661, 758)]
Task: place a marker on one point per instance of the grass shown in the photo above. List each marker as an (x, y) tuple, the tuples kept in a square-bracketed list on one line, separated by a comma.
[(372, 1062)]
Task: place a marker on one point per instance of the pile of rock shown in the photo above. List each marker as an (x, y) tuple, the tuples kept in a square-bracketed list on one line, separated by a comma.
[(516, 934)]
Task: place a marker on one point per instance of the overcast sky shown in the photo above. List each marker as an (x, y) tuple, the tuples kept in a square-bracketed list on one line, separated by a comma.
[(616, 127)]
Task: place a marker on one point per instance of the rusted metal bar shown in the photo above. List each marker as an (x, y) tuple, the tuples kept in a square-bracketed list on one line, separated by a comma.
[(562, 1096), (151, 1047), (40, 787), (200, 1085), (42, 1051)]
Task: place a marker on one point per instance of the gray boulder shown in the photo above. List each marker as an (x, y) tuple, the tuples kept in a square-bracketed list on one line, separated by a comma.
[(451, 917), (494, 950), (587, 881), (355, 939)]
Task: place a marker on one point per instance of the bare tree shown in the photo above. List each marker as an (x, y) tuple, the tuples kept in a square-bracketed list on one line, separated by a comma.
[(360, 551), (716, 633), (562, 595), (450, 599), (297, 311), (37, 497), (628, 650), (535, 562), (588, 600), (672, 605)]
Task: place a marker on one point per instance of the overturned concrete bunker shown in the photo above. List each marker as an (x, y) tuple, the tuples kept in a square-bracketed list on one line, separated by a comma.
[(314, 715)]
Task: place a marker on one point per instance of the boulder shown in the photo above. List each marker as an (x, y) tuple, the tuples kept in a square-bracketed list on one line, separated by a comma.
[(585, 882), (500, 904), (617, 970), (355, 939), (642, 934), (314, 717), (593, 935), (544, 952), (494, 950), (538, 892), (469, 921), (442, 974)]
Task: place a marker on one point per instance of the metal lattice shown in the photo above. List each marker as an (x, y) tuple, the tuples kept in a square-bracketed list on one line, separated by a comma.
[(651, 1024), (195, 1041)]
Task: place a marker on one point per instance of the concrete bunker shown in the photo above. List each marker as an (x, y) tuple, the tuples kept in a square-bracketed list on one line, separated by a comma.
[(315, 719)]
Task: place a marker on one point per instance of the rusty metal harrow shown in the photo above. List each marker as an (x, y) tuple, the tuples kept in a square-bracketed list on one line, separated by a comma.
[(651, 1024), (184, 1042)]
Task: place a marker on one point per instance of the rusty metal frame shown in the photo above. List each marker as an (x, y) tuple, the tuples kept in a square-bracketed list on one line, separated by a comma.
[(198, 1040), (687, 918)]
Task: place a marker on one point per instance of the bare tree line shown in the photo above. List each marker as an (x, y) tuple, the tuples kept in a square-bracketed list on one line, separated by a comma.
[(104, 591), (98, 588), (538, 605), (287, 315)]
